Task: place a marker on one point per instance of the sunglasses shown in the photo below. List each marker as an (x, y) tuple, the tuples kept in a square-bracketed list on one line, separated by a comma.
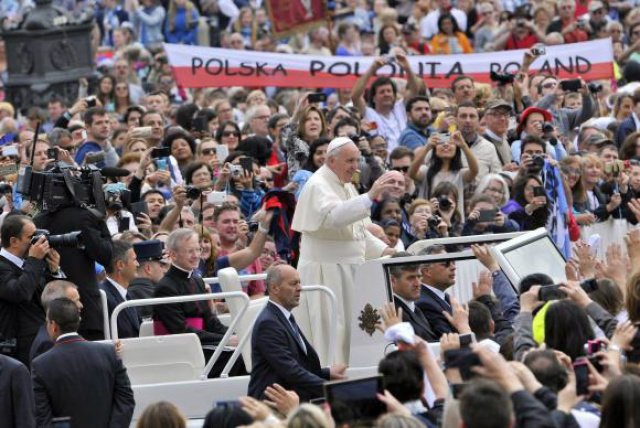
[(230, 133), (403, 169), (208, 152)]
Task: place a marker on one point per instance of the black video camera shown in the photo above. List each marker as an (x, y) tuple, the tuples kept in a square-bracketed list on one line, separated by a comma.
[(502, 78), (67, 240)]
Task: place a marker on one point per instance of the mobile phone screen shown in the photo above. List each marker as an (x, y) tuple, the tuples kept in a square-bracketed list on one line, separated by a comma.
[(355, 401)]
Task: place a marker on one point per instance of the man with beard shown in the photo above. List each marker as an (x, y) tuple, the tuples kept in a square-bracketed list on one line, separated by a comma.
[(485, 152), (416, 133)]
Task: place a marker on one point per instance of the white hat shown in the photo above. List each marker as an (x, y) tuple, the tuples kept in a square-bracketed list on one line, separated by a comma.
[(336, 143)]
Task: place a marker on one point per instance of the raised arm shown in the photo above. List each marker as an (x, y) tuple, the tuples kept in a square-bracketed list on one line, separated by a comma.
[(357, 95), (414, 83)]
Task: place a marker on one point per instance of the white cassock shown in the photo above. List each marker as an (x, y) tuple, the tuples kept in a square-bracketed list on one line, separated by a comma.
[(331, 217)]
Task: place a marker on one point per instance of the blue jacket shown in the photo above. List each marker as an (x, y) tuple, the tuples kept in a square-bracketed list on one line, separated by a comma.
[(182, 33), (412, 137), (626, 128)]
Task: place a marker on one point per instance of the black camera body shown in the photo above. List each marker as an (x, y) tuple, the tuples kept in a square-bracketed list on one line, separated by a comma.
[(193, 193), (502, 78), (594, 88), (537, 162), (434, 221), (63, 187), (67, 240)]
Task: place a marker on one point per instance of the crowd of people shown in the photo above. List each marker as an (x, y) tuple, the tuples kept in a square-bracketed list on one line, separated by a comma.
[(267, 180)]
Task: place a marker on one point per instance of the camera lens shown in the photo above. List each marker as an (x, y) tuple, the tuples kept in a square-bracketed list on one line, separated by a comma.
[(444, 203), (68, 240), (537, 162)]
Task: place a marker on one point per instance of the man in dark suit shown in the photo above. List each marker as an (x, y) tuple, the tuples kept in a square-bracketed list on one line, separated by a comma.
[(53, 290), (151, 270), (120, 271), (24, 270), (280, 353), (405, 283), (79, 379), (16, 399), (79, 263), (435, 304)]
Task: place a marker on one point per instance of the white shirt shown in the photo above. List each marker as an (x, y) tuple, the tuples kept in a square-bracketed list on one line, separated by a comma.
[(410, 305), (62, 336), (391, 126), (429, 24), (112, 223), (120, 288), (13, 259)]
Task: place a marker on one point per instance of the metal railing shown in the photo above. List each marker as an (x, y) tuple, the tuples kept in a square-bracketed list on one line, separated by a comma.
[(242, 278), (105, 315), (191, 298)]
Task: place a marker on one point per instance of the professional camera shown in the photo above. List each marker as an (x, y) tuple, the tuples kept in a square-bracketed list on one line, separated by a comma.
[(537, 162), (193, 193), (444, 203), (63, 187), (548, 130), (116, 196), (502, 78), (68, 240), (434, 221)]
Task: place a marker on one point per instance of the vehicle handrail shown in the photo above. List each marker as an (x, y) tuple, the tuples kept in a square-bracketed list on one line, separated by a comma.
[(242, 278), (189, 298), (105, 315)]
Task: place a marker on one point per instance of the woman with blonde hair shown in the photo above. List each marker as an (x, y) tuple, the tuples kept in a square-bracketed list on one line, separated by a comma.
[(162, 415), (308, 416), (134, 145), (182, 23)]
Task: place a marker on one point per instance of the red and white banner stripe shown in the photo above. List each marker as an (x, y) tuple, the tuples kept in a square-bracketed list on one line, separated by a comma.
[(202, 67)]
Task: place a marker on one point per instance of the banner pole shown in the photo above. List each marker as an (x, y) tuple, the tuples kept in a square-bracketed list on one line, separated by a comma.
[(329, 21)]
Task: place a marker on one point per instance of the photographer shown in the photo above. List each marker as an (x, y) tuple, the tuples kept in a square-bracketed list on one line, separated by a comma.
[(532, 123), (78, 262), (423, 224), (25, 269), (118, 219), (238, 177)]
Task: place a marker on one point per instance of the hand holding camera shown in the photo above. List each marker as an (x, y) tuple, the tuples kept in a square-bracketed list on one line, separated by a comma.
[(40, 248)]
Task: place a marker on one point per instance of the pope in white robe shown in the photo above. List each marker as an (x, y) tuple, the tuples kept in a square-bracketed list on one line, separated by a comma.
[(332, 218)]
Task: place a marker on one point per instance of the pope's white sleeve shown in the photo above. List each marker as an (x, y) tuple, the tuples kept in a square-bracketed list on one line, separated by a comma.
[(374, 246), (348, 212)]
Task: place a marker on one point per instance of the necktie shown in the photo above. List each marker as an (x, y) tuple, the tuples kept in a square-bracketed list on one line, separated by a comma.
[(447, 299), (296, 330)]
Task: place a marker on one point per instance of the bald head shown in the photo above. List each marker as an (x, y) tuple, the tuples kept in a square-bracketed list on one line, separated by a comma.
[(396, 182), (283, 284)]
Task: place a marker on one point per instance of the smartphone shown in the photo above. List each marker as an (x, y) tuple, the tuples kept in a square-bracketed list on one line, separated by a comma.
[(581, 371), (143, 132), (160, 152), (467, 339), (317, 97), (137, 208), (487, 216), (551, 292), (91, 102), (355, 401), (124, 223), (246, 163), (572, 85), (464, 359), (200, 124), (222, 152), (539, 191), (318, 401), (589, 285), (161, 164), (12, 150), (217, 198), (52, 153), (63, 422)]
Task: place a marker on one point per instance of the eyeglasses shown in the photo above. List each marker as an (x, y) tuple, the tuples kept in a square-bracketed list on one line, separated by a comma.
[(403, 169), (122, 88), (191, 251), (549, 85), (230, 134), (208, 152)]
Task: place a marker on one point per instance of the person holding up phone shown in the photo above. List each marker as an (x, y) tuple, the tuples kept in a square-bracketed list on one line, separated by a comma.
[(565, 120), (485, 218), (526, 209)]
